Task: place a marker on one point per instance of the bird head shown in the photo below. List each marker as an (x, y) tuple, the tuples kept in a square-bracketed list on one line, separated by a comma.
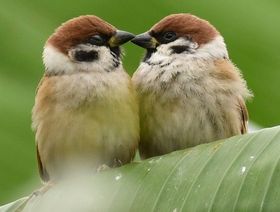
[(181, 34), (85, 43)]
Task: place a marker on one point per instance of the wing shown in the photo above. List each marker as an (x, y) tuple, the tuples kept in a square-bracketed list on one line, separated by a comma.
[(228, 72), (244, 117), (43, 172)]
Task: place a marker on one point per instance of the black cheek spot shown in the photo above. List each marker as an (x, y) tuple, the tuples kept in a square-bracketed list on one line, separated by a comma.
[(84, 56), (180, 49)]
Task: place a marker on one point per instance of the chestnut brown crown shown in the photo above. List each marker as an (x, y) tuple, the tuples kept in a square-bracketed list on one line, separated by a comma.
[(186, 25), (79, 30), (83, 28), (177, 26)]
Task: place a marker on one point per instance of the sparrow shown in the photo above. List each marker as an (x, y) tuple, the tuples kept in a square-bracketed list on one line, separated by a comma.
[(189, 90), (85, 112)]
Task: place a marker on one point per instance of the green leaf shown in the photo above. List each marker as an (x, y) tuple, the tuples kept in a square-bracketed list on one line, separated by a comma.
[(241, 173), (15, 206)]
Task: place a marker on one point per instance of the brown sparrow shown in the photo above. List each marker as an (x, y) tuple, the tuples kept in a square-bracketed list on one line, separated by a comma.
[(85, 112), (189, 91)]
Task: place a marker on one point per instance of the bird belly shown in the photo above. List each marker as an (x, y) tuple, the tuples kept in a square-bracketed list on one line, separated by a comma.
[(89, 139), (78, 128), (174, 124)]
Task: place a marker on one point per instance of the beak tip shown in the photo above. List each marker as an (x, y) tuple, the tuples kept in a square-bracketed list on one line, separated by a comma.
[(144, 40), (134, 40), (130, 36), (123, 36)]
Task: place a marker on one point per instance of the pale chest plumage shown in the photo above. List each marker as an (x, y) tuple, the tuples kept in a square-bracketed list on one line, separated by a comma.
[(88, 117), (184, 102)]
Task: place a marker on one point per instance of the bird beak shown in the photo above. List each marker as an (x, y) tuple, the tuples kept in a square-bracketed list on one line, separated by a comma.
[(120, 38), (146, 41)]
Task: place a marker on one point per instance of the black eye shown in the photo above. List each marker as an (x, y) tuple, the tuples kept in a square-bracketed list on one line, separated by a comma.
[(169, 36), (96, 40)]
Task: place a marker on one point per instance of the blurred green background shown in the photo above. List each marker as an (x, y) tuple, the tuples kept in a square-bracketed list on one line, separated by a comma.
[(251, 30)]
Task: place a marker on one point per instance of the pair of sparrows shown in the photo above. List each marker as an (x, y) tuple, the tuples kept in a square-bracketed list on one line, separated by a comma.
[(86, 108)]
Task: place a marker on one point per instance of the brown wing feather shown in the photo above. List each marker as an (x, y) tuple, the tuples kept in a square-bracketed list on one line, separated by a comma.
[(244, 115), (43, 172), (227, 71)]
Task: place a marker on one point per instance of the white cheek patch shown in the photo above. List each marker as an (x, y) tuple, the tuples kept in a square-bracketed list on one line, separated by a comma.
[(216, 49), (167, 48), (105, 61), (81, 47), (58, 63), (164, 53), (213, 50)]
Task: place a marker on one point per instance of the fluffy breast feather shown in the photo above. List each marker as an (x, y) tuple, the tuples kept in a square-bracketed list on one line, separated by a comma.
[(186, 99), (94, 114)]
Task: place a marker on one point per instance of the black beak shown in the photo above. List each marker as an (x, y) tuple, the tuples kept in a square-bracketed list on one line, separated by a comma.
[(145, 40), (120, 38)]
